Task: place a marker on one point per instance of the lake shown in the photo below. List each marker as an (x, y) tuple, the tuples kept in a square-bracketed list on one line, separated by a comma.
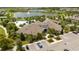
[(31, 13)]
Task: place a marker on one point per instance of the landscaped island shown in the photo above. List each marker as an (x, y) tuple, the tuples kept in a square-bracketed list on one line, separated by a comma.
[(39, 29)]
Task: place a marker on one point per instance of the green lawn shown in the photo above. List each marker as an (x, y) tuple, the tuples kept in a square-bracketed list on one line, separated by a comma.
[(2, 32)]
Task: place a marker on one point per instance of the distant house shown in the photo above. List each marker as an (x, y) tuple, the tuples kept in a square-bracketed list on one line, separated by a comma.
[(2, 13), (74, 17), (39, 27), (19, 23)]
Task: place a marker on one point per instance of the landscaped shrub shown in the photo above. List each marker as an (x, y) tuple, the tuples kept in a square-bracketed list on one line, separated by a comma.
[(50, 35), (50, 40), (58, 38)]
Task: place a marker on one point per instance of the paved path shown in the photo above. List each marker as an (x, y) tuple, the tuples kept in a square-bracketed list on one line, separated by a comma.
[(4, 30), (47, 36), (15, 48)]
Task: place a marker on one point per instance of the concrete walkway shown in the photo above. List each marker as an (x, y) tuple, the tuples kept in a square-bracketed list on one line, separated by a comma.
[(55, 41), (4, 30)]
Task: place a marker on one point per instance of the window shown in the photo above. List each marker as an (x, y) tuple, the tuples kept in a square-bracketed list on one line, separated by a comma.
[(75, 32), (66, 50), (27, 47), (40, 45), (45, 30)]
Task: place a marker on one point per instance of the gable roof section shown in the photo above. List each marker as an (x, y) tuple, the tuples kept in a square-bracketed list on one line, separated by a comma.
[(51, 24)]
